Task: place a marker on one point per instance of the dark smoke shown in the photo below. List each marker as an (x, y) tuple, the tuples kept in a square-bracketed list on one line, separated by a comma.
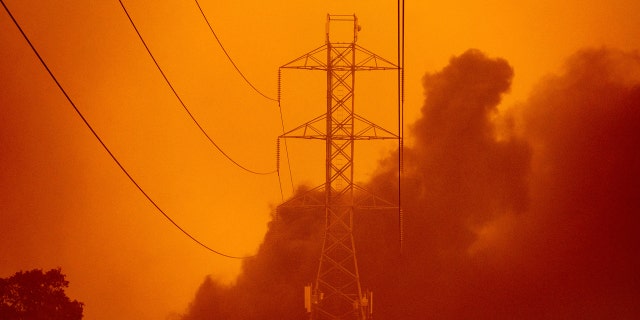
[(529, 216), (271, 283), (581, 235)]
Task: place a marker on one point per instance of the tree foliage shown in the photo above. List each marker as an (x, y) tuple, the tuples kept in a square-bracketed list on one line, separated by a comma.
[(36, 295)]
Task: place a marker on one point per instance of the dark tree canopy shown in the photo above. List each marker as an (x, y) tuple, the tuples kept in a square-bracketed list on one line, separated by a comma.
[(36, 295)]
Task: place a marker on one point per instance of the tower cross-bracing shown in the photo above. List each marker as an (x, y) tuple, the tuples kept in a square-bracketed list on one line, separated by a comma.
[(337, 292)]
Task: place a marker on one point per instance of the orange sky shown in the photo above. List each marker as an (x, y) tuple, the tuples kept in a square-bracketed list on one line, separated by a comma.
[(65, 203)]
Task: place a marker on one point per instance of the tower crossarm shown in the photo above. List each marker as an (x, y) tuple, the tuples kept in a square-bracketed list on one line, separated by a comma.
[(367, 130), (316, 129), (365, 60), (315, 59), (312, 198), (365, 199), (313, 129)]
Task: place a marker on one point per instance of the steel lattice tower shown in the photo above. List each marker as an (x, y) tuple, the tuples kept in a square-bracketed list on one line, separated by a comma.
[(336, 292)]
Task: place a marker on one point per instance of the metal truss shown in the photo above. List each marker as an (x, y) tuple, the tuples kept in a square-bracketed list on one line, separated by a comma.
[(337, 293)]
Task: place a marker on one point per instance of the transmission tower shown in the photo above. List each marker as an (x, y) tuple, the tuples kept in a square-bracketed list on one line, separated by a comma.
[(336, 292)]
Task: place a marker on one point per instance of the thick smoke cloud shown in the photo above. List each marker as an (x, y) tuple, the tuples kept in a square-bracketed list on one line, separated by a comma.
[(581, 236), (271, 284), (461, 174), (530, 214)]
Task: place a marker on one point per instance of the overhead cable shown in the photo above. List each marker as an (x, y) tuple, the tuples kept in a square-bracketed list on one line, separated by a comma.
[(113, 157), (278, 100), (400, 42), (184, 105), (229, 57)]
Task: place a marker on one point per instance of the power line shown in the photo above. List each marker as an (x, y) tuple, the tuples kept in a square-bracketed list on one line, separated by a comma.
[(183, 104), (229, 57), (278, 100), (400, 29), (95, 134)]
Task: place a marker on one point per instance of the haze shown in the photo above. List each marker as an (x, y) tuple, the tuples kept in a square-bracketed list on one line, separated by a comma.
[(64, 203)]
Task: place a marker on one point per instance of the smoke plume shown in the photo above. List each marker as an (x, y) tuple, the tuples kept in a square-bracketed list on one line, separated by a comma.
[(530, 213)]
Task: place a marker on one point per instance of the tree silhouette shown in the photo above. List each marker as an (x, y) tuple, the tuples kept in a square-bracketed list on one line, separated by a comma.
[(34, 295)]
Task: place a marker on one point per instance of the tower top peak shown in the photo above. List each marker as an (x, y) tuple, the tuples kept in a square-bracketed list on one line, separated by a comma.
[(342, 28)]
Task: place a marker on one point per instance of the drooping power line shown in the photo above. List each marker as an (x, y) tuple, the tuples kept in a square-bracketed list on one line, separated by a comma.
[(229, 57), (113, 157), (183, 104), (278, 100)]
